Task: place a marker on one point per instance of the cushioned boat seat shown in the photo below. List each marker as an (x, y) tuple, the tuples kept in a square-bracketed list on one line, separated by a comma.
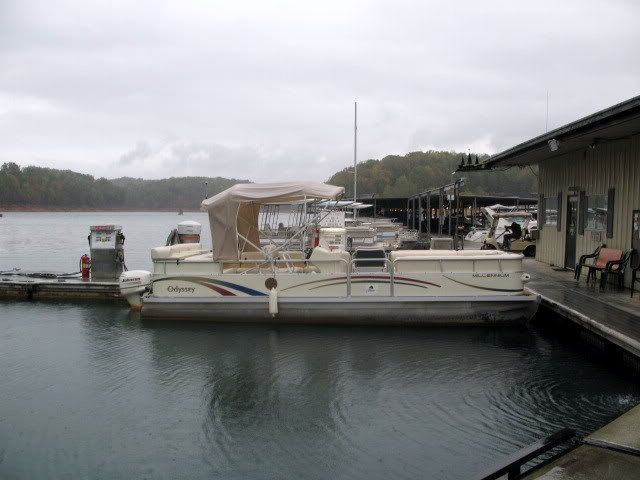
[(175, 252), (327, 261)]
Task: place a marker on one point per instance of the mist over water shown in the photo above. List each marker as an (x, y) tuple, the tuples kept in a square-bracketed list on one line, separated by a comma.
[(87, 390)]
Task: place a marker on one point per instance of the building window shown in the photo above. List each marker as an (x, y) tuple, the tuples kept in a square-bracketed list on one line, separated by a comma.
[(550, 205), (596, 213)]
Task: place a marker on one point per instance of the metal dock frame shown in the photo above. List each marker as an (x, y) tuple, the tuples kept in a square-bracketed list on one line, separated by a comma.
[(512, 465)]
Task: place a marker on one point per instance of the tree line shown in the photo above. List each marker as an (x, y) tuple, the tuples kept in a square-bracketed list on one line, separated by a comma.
[(46, 188), (393, 176), (405, 175)]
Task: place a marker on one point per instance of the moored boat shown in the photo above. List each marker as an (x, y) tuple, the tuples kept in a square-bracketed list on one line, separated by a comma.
[(241, 280)]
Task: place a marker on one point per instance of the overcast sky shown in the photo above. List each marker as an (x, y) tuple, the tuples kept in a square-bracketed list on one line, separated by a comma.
[(264, 90)]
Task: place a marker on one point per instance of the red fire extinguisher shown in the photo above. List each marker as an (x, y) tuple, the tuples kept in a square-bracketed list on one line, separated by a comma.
[(316, 237), (85, 266)]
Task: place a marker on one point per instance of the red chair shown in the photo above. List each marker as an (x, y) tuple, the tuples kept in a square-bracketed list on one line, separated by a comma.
[(602, 257), (617, 268)]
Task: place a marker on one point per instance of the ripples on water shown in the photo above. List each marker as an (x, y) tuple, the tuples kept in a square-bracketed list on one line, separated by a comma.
[(88, 391)]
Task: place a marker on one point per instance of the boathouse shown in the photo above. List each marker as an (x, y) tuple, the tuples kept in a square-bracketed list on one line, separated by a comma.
[(588, 183)]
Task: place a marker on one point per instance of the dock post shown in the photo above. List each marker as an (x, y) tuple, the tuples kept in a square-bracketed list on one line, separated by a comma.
[(440, 211), (413, 214), (419, 214), (429, 217), (408, 200)]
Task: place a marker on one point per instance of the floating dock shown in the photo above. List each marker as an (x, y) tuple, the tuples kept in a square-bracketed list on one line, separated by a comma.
[(612, 315), (613, 452), (70, 288)]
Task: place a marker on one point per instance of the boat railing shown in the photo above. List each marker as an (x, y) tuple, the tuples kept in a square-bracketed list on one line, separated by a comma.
[(261, 266), (288, 263)]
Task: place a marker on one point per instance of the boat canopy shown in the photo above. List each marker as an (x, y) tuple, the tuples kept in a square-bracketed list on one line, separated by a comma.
[(233, 214)]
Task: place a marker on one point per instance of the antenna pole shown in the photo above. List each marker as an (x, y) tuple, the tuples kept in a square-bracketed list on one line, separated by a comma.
[(355, 156), (546, 123)]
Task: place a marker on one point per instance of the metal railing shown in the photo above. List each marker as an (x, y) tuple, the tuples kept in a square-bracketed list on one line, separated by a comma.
[(512, 465), (268, 266)]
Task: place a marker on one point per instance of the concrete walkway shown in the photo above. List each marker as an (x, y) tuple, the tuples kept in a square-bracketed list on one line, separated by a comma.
[(613, 452), (611, 314)]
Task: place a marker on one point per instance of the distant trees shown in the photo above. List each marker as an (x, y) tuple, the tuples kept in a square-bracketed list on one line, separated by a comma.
[(401, 176), (393, 176), (50, 188), (171, 193), (46, 187)]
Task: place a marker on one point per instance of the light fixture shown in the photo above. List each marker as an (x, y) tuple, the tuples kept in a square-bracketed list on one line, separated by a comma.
[(554, 144)]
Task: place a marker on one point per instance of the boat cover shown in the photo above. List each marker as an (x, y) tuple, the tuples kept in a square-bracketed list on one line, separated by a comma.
[(235, 211)]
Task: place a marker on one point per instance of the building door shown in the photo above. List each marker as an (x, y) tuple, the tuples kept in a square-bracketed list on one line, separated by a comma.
[(571, 232)]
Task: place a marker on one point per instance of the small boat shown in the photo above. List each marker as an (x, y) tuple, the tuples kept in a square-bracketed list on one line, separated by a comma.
[(242, 280)]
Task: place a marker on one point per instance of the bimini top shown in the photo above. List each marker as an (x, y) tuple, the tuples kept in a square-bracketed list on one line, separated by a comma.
[(233, 214)]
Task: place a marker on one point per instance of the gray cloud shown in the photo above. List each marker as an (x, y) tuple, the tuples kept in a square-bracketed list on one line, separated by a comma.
[(139, 153), (265, 90)]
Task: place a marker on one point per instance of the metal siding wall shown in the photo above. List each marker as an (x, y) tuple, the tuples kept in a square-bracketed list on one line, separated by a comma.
[(610, 165)]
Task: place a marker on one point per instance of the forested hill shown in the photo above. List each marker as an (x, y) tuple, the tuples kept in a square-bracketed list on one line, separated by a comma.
[(401, 176), (393, 176), (48, 188), (171, 193)]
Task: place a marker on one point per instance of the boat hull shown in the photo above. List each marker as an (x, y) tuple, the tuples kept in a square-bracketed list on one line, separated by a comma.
[(416, 311)]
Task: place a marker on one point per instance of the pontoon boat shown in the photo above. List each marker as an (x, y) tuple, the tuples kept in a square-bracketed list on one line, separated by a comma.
[(240, 280)]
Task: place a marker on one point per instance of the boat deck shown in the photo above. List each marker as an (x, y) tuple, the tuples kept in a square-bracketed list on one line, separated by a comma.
[(612, 314)]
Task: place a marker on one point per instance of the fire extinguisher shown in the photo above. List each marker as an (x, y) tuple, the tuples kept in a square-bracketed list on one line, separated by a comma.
[(316, 237), (85, 266)]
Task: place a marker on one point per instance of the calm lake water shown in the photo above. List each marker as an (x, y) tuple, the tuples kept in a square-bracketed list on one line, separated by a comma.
[(89, 391)]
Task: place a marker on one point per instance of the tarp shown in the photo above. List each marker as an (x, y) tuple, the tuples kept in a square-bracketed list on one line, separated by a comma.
[(235, 211)]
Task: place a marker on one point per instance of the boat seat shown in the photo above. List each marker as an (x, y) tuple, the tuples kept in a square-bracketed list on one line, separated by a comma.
[(421, 253), (200, 258), (336, 261), (416, 261), (483, 253), (175, 252)]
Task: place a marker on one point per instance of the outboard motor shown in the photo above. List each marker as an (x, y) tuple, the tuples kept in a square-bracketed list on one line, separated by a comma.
[(187, 232), (133, 284)]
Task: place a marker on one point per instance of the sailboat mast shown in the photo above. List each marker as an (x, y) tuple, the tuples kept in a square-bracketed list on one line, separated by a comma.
[(355, 156)]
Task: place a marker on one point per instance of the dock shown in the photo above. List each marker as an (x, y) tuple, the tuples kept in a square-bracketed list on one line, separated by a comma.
[(613, 452), (69, 288), (612, 315)]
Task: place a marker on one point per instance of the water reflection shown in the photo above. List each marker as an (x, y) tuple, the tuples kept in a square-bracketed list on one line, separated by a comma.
[(89, 390)]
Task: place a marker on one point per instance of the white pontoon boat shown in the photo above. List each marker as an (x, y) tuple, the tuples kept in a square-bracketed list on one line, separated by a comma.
[(240, 280)]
